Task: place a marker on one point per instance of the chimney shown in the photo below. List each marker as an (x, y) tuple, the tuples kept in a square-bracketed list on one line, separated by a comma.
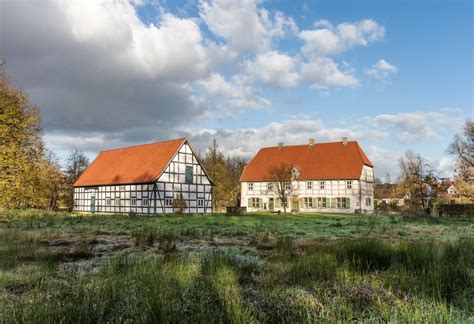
[(280, 145), (344, 141), (311, 142)]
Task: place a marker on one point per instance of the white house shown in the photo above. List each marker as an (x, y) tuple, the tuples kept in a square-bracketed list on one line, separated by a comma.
[(144, 179), (330, 177)]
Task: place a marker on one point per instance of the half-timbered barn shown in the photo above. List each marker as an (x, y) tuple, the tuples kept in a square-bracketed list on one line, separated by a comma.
[(145, 179), (329, 177)]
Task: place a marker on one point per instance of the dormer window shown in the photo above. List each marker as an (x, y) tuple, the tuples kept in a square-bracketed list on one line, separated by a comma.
[(295, 173)]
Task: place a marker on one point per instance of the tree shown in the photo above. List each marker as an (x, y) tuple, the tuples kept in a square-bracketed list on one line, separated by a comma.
[(76, 164), (280, 176), (225, 173), (21, 148), (179, 204), (417, 180), (462, 148)]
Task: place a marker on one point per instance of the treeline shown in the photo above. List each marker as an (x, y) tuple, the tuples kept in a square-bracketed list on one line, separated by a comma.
[(30, 175), (418, 183)]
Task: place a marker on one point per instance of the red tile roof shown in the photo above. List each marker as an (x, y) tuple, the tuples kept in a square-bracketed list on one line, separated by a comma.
[(134, 164), (319, 161)]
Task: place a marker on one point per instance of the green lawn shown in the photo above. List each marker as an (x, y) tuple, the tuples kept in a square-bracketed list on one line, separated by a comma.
[(217, 268)]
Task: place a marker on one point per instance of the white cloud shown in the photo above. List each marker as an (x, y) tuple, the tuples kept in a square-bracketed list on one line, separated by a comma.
[(245, 25), (327, 40), (381, 70), (416, 127), (274, 69), (324, 72), (235, 94)]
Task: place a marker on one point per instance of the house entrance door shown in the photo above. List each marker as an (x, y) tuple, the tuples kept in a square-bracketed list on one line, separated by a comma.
[(295, 205), (271, 204)]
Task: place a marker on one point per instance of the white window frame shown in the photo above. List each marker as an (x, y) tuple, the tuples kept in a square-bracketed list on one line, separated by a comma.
[(287, 185), (108, 202), (169, 202), (133, 201), (200, 202), (255, 202), (145, 201), (369, 200), (250, 186), (322, 185), (349, 184), (309, 185), (270, 186), (117, 202), (308, 202)]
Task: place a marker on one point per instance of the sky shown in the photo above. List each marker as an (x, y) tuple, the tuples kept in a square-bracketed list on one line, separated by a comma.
[(393, 75)]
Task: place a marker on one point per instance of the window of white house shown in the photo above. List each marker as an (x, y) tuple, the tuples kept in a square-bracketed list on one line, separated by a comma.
[(145, 201), (200, 202), (255, 202), (108, 201), (308, 202), (321, 184), (133, 201), (169, 202), (368, 201), (189, 174), (349, 184), (76, 202), (117, 201), (250, 186), (270, 186), (309, 185), (122, 188), (287, 186), (343, 202), (322, 202)]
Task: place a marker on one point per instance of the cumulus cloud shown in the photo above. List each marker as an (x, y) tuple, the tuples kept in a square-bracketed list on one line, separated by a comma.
[(415, 127), (234, 94), (324, 72), (326, 39), (245, 25), (381, 70)]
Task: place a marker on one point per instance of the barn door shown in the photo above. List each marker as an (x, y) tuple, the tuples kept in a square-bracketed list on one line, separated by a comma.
[(93, 204)]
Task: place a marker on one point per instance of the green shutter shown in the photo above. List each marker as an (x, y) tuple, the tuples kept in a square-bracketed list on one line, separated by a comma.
[(301, 202), (333, 203), (259, 202), (277, 202), (315, 202), (249, 202), (348, 203)]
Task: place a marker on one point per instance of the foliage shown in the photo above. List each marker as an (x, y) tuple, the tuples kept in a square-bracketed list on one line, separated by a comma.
[(30, 176), (225, 174)]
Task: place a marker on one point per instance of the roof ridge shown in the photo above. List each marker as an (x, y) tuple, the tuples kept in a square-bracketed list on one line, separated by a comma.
[(320, 143), (138, 145)]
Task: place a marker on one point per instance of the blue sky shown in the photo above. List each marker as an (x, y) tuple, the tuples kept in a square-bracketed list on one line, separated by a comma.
[(394, 75)]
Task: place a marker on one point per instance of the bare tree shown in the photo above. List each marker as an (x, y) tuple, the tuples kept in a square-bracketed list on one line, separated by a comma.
[(462, 147), (280, 175), (77, 163), (417, 179)]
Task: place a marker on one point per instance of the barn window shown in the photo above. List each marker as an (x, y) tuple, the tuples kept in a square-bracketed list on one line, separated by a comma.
[(122, 188), (322, 202), (343, 203), (368, 202), (169, 202), (108, 201), (250, 186), (321, 184), (133, 201), (270, 186), (308, 202), (309, 185), (145, 201), (189, 174), (255, 202), (349, 184), (117, 201), (200, 202), (287, 186)]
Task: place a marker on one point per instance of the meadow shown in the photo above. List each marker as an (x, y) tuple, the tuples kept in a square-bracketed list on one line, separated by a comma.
[(62, 267)]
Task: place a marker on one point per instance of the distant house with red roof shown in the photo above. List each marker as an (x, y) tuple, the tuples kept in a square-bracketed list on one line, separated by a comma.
[(145, 179), (330, 177)]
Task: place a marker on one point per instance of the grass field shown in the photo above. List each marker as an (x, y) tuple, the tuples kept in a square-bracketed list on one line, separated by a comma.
[(253, 268)]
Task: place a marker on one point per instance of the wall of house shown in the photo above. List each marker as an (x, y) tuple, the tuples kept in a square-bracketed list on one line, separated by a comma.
[(359, 194), (152, 198)]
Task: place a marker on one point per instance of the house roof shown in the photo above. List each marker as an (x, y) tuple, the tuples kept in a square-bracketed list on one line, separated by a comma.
[(134, 164), (319, 161)]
